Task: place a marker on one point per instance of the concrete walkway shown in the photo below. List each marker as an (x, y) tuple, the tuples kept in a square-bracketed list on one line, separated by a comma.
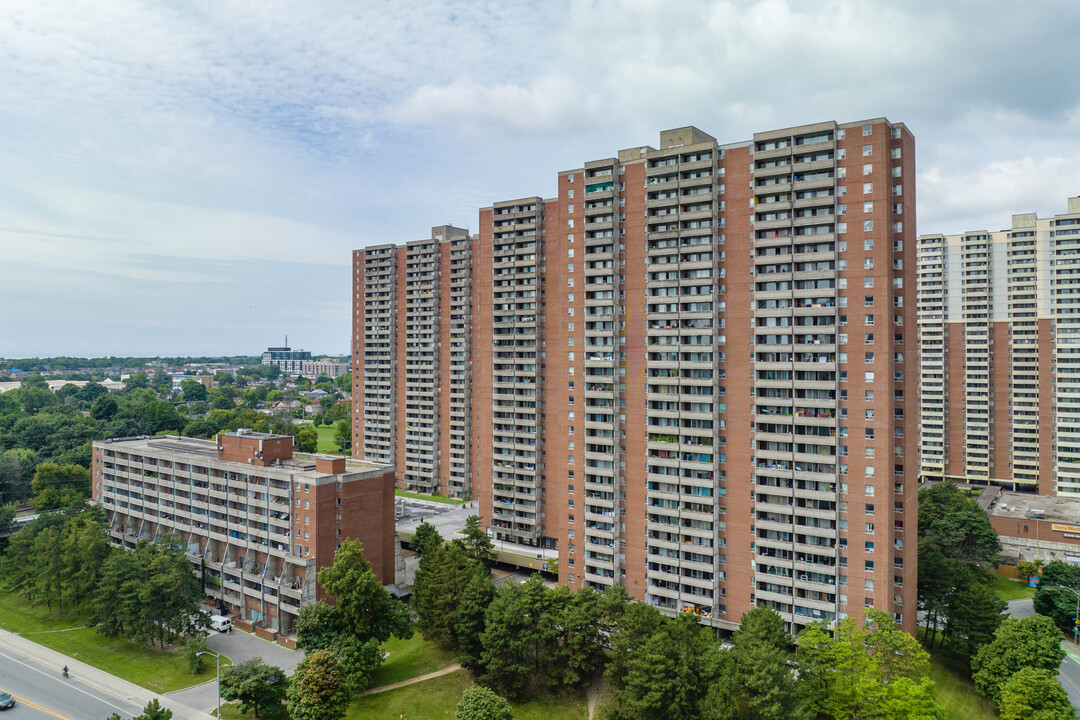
[(108, 685), (411, 681)]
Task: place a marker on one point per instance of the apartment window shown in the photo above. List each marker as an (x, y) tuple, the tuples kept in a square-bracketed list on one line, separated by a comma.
[(841, 190), (867, 150), (868, 281), (868, 376), (896, 171), (868, 414), (841, 154), (307, 504), (867, 130), (868, 263), (867, 188), (868, 169), (868, 491), (868, 206), (868, 225), (898, 283), (868, 301), (895, 132), (841, 172), (841, 246), (898, 226), (868, 319), (841, 209), (868, 396), (897, 190), (870, 549), (841, 228)]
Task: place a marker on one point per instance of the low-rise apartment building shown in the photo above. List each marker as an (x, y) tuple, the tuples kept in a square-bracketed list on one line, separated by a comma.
[(257, 521)]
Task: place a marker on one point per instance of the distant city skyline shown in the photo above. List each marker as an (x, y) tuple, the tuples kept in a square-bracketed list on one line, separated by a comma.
[(192, 180)]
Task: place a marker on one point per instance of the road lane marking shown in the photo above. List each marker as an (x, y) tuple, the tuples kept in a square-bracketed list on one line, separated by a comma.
[(24, 701), (78, 689), (1072, 656)]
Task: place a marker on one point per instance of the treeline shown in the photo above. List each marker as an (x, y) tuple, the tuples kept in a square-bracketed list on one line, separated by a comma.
[(64, 560), (69, 364), (40, 426), (524, 640)]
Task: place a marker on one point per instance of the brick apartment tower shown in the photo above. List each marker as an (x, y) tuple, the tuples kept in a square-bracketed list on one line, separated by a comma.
[(993, 407), (411, 346), (608, 324)]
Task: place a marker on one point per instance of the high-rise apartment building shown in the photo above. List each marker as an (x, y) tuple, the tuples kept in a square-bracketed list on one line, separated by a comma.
[(689, 372), (993, 408), (411, 346)]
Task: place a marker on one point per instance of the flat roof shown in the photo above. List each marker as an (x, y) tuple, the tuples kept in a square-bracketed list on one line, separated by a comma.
[(1018, 505), (196, 449)]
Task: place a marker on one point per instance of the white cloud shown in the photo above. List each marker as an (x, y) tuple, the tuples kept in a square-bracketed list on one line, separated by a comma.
[(143, 141)]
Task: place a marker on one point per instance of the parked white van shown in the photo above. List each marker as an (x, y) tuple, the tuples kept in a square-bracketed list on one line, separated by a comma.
[(220, 623)]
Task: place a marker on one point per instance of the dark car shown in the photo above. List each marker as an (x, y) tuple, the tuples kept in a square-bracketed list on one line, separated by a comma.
[(6, 700)]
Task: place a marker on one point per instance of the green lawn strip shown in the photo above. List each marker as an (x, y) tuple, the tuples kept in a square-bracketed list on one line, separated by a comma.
[(229, 711), (955, 691), (433, 498), (1009, 589), (437, 698), (327, 443), (156, 670), (410, 658), (957, 695)]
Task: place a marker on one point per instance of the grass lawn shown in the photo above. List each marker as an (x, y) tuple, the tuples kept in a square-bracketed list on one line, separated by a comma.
[(955, 691), (327, 444), (409, 659), (433, 498), (152, 669), (1009, 589), (957, 695), (436, 699)]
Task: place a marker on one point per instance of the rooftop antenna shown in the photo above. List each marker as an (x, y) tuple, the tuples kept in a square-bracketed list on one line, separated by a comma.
[(286, 340)]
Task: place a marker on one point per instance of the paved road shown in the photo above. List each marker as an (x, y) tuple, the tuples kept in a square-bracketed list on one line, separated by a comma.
[(41, 692), (1069, 673), (238, 646)]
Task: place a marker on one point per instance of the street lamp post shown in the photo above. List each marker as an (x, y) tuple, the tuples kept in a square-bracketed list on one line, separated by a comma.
[(208, 652)]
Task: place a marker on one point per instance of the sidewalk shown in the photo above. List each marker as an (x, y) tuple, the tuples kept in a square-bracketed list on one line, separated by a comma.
[(109, 685)]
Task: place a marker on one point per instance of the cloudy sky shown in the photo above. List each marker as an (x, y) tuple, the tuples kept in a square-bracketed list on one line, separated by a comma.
[(191, 177)]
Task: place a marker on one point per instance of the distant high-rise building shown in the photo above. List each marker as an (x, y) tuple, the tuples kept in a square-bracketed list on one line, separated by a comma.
[(999, 339), (286, 359), (691, 372)]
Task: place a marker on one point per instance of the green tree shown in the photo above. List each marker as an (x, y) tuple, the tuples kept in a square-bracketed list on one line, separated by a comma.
[(318, 690), (318, 626), (343, 434), (104, 408), (954, 532), (479, 703), (1060, 573), (477, 543), (439, 583), (192, 650), (194, 391), (1056, 603), (664, 668), (85, 550), (367, 610), (760, 681), (16, 474), (1035, 694), (972, 614), (57, 485), (256, 685), (152, 711), (1020, 642), (856, 671), (307, 439), (136, 381), (475, 598), (91, 391), (425, 540)]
